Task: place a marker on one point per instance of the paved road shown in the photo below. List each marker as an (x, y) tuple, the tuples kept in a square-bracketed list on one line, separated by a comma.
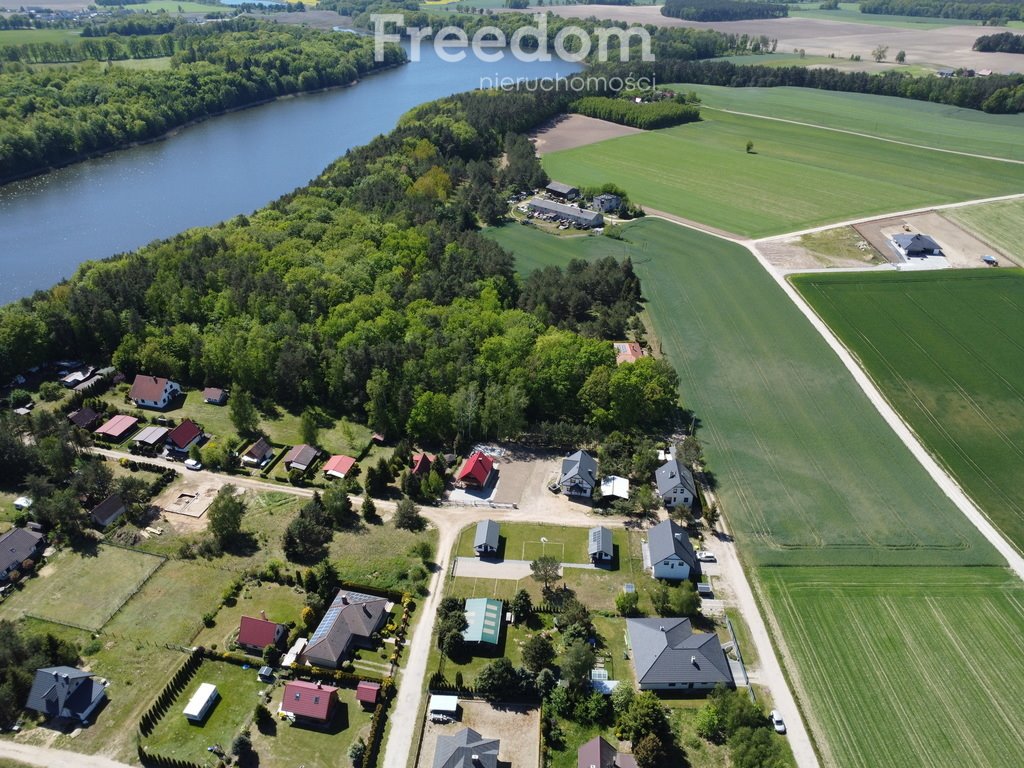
[(53, 758)]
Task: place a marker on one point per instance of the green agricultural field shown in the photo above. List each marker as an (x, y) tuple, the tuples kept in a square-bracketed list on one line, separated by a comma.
[(810, 476), (114, 573), (25, 36), (799, 177), (916, 122), (946, 350), (786, 59), (877, 652), (1001, 224), (850, 13), (173, 6)]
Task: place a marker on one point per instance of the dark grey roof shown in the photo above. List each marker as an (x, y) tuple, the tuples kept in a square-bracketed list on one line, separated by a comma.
[(598, 753), (108, 510), (486, 534), (351, 615), (916, 243), (667, 539), (258, 450), (600, 541), (560, 188), (457, 750), (672, 473), (17, 545), (579, 465), (84, 417), (570, 211), (63, 692), (668, 651), (301, 455)]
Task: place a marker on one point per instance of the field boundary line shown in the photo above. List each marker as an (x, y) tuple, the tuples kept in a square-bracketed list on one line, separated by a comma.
[(866, 135)]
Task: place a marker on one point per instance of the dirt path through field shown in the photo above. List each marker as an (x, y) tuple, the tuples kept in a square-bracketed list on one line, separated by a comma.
[(54, 758)]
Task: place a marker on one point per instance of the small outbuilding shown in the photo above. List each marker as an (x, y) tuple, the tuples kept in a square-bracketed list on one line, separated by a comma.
[(338, 466), (484, 620), (599, 545), (201, 703), (301, 457), (562, 191), (487, 538), (108, 511), (368, 694), (215, 396), (84, 418), (117, 428), (151, 437)]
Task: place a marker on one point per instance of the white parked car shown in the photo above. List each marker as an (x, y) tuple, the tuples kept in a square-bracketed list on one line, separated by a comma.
[(192, 464), (777, 722), (706, 557)]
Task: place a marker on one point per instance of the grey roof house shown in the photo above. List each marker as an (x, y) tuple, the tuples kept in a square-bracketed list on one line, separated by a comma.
[(352, 619), (17, 546), (487, 538), (668, 655), (301, 457), (571, 213), (579, 474), (466, 749), (675, 484), (598, 753), (599, 544), (916, 245), (671, 553), (65, 692), (108, 510), (607, 202), (558, 189)]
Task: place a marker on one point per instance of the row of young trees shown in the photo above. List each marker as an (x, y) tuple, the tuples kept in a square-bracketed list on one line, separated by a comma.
[(723, 10), (981, 10), (646, 115), (55, 116)]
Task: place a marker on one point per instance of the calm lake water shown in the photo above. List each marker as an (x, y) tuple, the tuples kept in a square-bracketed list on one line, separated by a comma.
[(212, 171)]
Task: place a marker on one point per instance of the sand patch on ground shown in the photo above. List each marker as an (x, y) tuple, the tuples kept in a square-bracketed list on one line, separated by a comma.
[(962, 249), (518, 728), (943, 46), (841, 248), (570, 131)]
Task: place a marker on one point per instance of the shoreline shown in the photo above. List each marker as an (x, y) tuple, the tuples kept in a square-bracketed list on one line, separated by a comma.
[(5, 180)]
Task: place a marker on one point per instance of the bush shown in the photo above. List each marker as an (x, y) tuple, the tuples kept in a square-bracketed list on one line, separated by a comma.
[(51, 391)]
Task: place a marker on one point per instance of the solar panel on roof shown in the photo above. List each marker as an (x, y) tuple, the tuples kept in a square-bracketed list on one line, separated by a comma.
[(599, 674)]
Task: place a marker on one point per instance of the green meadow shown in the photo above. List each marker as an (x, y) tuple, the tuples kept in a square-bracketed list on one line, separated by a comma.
[(797, 177), (851, 547), (1001, 224), (946, 349)]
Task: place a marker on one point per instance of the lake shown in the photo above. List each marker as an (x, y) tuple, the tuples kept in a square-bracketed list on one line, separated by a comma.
[(212, 171)]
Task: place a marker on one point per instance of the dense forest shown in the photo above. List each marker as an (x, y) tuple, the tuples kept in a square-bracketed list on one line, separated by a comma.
[(1002, 94), (723, 10), (368, 293), (1004, 42), (647, 115), (56, 115), (980, 10)]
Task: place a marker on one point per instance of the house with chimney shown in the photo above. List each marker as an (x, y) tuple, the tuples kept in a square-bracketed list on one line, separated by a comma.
[(579, 475), (258, 454), (477, 472), (466, 749), (256, 634), (17, 546), (598, 753), (675, 484), (310, 703), (671, 554), (184, 436), (153, 392), (669, 656), (352, 621), (65, 692)]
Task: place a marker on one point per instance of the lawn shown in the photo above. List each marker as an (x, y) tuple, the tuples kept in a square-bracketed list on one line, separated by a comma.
[(908, 667), (798, 177), (791, 440), (533, 252), (1001, 224), (917, 122), (282, 604), (850, 13), (946, 350), (526, 541), (177, 737), (110, 576), (26, 36)]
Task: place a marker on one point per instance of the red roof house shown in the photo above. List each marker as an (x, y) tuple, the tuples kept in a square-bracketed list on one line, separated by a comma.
[(338, 466), (627, 352), (421, 463), (153, 391), (367, 693), (476, 472), (310, 701), (184, 436), (257, 634), (117, 428)]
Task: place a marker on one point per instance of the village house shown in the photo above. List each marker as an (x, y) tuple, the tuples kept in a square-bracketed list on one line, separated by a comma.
[(310, 702), (477, 471), (153, 392), (301, 457), (352, 620), (117, 428), (65, 692), (422, 462), (627, 352), (215, 396), (671, 553), (84, 418), (675, 484), (17, 546), (108, 511), (487, 538), (598, 753), (466, 749), (579, 474), (184, 436), (668, 655), (338, 466), (256, 634), (599, 545), (484, 621), (258, 454)]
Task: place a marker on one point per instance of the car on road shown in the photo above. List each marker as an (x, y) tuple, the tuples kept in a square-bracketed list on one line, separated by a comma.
[(192, 464), (777, 722), (706, 557)]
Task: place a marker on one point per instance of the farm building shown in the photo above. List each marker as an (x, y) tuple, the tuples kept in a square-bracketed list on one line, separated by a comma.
[(153, 392), (599, 544), (570, 213), (916, 246), (17, 546), (484, 617), (579, 474), (65, 692), (201, 703), (598, 753), (184, 436), (301, 457), (675, 484), (258, 454), (466, 749), (256, 634), (607, 202), (117, 428), (668, 655), (338, 466), (215, 396), (487, 538), (562, 191), (314, 702), (151, 436), (627, 352), (108, 511), (670, 550), (352, 619), (477, 472)]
